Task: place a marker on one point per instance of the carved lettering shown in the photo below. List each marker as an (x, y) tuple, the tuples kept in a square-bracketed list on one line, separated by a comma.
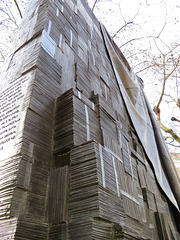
[(11, 102)]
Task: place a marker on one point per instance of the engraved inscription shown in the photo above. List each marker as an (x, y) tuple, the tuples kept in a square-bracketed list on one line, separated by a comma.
[(11, 103)]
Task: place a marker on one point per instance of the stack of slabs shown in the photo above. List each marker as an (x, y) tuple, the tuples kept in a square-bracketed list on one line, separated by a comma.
[(88, 200), (78, 169), (76, 121)]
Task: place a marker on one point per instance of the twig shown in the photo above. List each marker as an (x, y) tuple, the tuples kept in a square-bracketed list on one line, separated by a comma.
[(134, 39), (163, 87), (121, 29), (167, 130), (92, 9), (175, 119), (10, 18), (18, 8)]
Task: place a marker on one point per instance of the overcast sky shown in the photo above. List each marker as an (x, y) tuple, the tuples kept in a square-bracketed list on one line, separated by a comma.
[(151, 14)]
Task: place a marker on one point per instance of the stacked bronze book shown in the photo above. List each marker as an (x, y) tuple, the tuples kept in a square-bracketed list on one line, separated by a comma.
[(72, 164)]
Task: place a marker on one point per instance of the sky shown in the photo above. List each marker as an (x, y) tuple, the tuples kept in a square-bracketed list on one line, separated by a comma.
[(150, 14)]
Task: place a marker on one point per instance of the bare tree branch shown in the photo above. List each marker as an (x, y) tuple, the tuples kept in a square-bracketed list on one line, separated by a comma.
[(12, 19), (157, 107), (178, 103), (121, 29), (164, 128), (171, 143), (2, 56), (17, 6), (94, 5), (134, 39), (163, 87), (143, 69), (177, 63), (165, 23), (175, 119), (164, 81), (167, 95)]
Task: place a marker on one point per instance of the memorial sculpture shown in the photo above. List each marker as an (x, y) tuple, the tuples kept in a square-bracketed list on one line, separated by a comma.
[(81, 155)]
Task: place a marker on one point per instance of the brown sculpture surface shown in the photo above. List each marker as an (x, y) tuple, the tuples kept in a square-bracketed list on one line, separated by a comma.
[(73, 164)]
